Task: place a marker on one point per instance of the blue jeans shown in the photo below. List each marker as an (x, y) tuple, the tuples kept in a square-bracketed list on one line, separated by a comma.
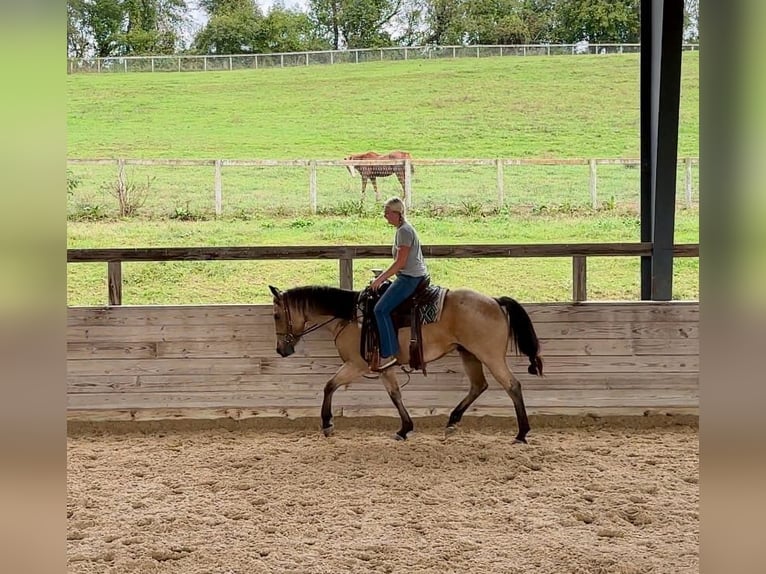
[(400, 289)]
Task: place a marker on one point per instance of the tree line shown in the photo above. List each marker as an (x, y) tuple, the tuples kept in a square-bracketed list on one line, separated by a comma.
[(154, 27)]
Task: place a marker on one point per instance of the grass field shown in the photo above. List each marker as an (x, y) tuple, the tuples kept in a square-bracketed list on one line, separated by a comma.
[(496, 107)]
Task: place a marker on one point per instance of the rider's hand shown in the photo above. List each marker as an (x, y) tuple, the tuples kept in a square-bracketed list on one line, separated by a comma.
[(377, 283)]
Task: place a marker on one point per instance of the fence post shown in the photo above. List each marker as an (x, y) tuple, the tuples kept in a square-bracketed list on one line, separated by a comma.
[(179, 63), (218, 189), (500, 184), (307, 58), (152, 61), (231, 64), (281, 60), (356, 56), (313, 185), (125, 64), (579, 278), (114, 280), (408, 183), (593, 199), (453, 51), (381, 54), (405, 52), (688, 182), (346, 271)]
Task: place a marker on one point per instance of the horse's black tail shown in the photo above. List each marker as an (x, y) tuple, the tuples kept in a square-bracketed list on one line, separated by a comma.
[(523, 334)]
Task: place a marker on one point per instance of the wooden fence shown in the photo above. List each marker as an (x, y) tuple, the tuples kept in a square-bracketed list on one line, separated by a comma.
[(131, 363), (210, 362), (311, 165), (346, 256)]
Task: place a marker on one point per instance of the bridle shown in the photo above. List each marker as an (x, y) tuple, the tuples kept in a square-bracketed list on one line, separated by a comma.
[(290, 337)]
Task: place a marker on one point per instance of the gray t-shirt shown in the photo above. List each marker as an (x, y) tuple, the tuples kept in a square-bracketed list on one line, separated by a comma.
[(415, 265)]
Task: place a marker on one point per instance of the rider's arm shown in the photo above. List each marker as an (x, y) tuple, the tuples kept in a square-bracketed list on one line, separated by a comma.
[(401, 259)]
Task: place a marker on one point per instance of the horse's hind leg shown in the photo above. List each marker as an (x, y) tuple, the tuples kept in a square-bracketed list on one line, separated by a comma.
[(375, 187), (512, 386), (475, 372), (347, 373), (392, 386)]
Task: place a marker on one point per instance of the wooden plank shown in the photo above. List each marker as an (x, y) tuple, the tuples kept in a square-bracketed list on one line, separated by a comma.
[(117, 350), (428, 399), (315, 383), (614, 312), (596, 347), (609, 330), (262, 314), (156, 333), (140, 315), (292, 413), (579, 278), (265, 331), (164, 366), (316, 345), (273, 365), (359, 251), (114, 281)]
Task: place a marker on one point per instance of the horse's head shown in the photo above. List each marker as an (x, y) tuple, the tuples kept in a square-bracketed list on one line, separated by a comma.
[(288, 323), (350, 168)]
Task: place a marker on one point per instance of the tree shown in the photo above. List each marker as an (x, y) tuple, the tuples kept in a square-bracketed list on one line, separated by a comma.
[(152, 26), (123, 27), (104, 20), (691, 20), (234, 27), (354, 23), (598, 21), (290, 31), (76, 29)]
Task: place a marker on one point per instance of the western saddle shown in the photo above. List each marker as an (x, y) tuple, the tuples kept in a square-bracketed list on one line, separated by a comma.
[(409, 313)]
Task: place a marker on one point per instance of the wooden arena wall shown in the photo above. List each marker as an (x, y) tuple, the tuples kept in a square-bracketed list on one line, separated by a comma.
[(207, 362)]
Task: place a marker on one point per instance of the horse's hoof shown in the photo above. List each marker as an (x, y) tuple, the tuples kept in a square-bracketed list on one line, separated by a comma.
[(328, 431), (397, 436), (450, 430), (518, 440)]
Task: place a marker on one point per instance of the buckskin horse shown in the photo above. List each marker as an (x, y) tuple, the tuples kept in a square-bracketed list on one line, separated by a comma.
[(478, 326), (371, 172)]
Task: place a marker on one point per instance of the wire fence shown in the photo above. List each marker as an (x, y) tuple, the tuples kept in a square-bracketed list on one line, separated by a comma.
[(199, 63), (202, 189)]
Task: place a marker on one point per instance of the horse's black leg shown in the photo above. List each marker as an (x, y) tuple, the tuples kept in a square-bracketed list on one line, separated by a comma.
[(512, 386), (475, 372), (347, 373), (392, 386)]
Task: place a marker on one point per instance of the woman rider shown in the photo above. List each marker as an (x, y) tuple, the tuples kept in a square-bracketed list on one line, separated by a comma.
[(409, 268)]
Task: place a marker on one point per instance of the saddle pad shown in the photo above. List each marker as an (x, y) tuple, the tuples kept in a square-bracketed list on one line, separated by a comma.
[(432, 311)]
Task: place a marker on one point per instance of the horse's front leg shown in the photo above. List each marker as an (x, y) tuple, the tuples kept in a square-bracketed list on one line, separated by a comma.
[(347, 373), (392, 386), (364, 184), (375, 187)]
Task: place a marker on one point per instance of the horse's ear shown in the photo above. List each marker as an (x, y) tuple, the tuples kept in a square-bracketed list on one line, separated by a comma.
[(276, 292)]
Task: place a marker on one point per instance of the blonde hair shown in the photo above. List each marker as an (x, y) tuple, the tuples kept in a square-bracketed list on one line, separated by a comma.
[(397, 206)]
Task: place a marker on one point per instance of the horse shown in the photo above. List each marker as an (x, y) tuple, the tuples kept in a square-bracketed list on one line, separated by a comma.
[(371, 172), (478, 326)]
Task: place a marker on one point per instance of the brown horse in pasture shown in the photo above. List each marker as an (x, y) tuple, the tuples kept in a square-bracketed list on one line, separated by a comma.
[(371, 172), (478, 326)]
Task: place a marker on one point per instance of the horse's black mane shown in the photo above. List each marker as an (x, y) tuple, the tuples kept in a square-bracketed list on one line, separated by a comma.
[(322, 300)]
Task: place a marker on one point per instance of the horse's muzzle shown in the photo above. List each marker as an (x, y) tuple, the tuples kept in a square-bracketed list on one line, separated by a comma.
[(285, 350)]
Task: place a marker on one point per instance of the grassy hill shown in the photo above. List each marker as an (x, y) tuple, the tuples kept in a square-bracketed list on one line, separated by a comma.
[(557, 106)]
